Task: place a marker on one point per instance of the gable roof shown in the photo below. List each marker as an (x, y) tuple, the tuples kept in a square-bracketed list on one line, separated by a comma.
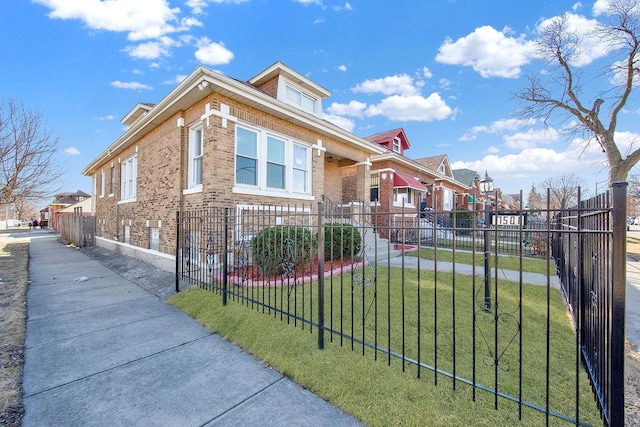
[(388, 135), (466, 176), (280, 69), (434, 163), (139, 110)]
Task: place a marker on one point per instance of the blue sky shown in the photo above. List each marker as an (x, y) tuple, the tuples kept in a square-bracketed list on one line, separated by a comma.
[(442, 70)]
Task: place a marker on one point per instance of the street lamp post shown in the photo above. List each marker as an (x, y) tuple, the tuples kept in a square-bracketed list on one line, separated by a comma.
[(486, 187)]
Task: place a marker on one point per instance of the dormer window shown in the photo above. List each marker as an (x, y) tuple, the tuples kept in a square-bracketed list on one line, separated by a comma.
[(441, 169), (301, 99), (396, 145)]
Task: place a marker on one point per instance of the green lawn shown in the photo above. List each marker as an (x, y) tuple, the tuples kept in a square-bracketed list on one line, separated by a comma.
[(379, 394)]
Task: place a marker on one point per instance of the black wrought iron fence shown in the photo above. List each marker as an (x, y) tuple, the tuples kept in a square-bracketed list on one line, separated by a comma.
[(588, 245), (474, 305)]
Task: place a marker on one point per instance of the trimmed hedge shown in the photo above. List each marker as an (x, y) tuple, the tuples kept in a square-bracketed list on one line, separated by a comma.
[(277, 249), (341, 241)]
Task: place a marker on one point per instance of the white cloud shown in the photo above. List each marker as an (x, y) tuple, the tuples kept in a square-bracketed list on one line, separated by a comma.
[(496, 127), (140, 19), (426, 72), (528, 161), (600, 7), (342, 67), (353, 108), (444, 83), (148, 50), (212, 53), (107, 117), (577, 6), (531, 138), (415, 107), (341, 122), (72, 151), (488, 51), (401, 84), (176, 80), (346, 6), (198, 6), (130, 85), (493, 150)]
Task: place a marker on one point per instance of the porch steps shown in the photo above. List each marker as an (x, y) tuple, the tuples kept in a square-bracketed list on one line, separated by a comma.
[(373, 241)]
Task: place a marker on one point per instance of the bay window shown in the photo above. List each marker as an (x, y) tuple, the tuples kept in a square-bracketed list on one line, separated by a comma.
[(246, 156), (270, 163)]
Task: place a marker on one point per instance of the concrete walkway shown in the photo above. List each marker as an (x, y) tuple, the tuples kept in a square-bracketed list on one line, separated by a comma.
[(513, 276), (102, 350)]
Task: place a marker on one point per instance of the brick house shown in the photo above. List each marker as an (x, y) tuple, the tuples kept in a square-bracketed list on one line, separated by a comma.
[(404, 186), (217, 141)]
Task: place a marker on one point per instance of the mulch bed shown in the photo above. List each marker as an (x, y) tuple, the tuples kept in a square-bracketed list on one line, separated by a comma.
[(255, 276)]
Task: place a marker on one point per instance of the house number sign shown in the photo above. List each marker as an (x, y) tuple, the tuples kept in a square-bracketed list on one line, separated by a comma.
[(507, 219)]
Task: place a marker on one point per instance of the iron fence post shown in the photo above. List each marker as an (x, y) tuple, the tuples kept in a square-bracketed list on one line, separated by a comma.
[(225, 256), (618, 295), (177, 251), (487, 249), (320, 276)]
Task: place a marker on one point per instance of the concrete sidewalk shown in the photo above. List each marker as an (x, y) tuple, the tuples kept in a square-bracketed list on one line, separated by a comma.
[(103, 350), (443, 266)]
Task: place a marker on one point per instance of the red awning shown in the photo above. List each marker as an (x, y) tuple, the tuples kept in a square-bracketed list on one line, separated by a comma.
[(404, 180)]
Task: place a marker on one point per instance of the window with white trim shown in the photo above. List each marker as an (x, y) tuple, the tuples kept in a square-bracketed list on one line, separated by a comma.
[(246, 156), (112, 183), (447, 199), (275, 163), (396, 145), (272, 163), (300, 169), (374, 192), (300, 99), (402, 194), (102, 183), (196, 150), (129, 179)]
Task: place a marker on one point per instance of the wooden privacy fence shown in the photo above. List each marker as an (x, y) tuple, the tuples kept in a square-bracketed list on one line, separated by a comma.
[(78, 229)]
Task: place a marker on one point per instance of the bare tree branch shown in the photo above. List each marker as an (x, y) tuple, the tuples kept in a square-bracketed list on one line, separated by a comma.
[(27, 155), (563, 190), (562, 93)]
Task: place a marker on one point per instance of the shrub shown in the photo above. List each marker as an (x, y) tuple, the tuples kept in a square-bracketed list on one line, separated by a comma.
[(341, 241), (277, 250)]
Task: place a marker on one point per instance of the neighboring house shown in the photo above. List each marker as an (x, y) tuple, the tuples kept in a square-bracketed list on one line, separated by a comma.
[(81, 208), (416, 184), (406, 187), (448, 193), (471, 179), (217, 141), (60, 202)]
